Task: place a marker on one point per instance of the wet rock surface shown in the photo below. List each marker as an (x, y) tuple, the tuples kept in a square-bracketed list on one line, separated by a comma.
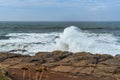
[(72, 66)]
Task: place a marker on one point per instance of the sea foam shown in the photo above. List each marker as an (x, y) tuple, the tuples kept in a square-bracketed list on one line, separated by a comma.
[(72, 39), (28, 43), (75, 40)]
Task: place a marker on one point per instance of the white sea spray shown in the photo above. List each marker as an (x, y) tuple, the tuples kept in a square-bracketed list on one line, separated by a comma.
[(75, 40)]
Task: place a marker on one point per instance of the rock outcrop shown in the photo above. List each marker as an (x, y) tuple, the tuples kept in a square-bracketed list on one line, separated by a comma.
[(81, 65)]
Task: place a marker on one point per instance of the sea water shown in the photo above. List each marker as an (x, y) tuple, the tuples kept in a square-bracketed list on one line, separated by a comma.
[(33, 37)]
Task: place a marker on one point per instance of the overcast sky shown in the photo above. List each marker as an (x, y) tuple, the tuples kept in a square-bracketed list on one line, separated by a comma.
[(59, 10)]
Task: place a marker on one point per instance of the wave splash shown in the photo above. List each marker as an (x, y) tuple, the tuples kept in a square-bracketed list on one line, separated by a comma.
[(75, 40)]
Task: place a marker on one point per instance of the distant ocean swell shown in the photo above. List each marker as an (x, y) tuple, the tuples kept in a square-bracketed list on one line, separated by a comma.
[(71, 39)]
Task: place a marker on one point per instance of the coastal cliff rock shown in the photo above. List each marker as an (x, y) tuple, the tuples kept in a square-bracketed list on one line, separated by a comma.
[(72, 66)]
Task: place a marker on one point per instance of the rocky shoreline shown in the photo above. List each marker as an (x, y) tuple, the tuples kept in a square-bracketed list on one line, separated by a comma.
[(60, 66)]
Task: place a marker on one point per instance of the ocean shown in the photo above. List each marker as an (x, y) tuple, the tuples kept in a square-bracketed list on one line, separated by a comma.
[(33, 37)]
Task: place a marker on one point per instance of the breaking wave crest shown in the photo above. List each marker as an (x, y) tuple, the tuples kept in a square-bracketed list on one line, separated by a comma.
[(75, 40)]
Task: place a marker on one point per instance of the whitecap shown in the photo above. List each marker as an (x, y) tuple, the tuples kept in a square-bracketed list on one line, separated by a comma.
[(73, 39)]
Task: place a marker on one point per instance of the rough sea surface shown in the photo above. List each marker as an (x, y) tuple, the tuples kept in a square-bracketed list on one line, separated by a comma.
[(32, 37)]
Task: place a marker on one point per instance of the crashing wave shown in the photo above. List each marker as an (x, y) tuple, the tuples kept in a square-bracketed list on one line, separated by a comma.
[(75, 40)]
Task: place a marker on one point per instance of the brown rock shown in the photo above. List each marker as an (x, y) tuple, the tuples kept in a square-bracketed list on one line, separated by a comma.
[(42, 54), (53, 56), (102, 57), (106, 70), (77, 57), (83, 55), (4, 56), (59, 55), (112, 62), (64, 69), (82, 63)]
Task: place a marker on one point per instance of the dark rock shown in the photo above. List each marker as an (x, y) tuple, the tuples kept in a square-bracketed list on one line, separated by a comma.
[(111, 62), (59, 55), (102, 57), (117, 56), (77, 57), (4, 56), (18, 50), (83, 55), (53, 56)]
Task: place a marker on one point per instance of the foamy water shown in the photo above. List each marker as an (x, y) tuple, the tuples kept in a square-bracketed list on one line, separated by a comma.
[(28, 43), (75, 40), (72, 39)]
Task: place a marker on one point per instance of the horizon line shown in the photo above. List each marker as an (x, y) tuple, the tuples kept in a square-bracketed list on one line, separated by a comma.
[(61, 21)]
